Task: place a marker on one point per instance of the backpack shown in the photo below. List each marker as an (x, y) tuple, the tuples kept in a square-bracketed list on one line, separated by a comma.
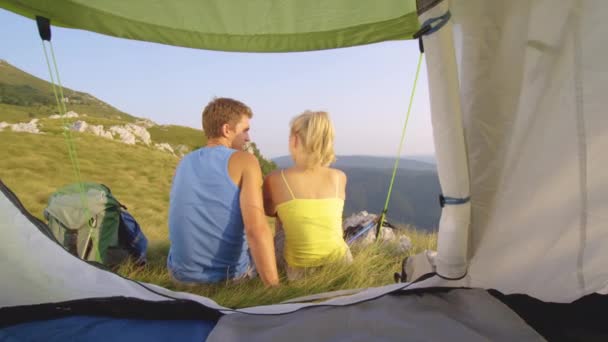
[(89, 222)]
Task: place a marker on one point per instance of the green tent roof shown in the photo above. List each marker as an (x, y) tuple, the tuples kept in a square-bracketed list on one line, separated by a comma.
[(234, 25)]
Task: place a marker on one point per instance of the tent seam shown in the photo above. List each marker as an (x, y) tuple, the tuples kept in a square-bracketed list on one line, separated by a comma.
[(582, 149)]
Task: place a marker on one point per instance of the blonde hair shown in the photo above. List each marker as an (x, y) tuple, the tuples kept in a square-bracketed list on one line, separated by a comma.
[(316, 134), (222, 111)]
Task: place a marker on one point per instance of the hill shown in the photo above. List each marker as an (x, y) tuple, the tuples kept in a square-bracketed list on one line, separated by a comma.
[(370, 162), (415, 191), (24, 97)]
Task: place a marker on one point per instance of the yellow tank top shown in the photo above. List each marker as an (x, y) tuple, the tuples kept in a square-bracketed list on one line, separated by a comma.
[(313, 230)]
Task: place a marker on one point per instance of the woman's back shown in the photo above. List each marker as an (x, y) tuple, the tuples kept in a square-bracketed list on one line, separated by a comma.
[(310, 204), (318, 183)]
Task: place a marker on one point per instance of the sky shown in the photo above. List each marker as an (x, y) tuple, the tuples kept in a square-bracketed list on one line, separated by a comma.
[(365, 89)]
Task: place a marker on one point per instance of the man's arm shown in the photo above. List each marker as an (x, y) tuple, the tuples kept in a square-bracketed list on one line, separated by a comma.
[(269, 207), (259, 236)]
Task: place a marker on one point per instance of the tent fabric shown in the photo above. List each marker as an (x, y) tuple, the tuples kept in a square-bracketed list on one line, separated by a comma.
[(41, 271), (532, 77), (93, 328), (460, 315), (243, 25), (451, 155)]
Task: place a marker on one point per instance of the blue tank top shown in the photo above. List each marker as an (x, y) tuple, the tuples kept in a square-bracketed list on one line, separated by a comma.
[(206, 229)]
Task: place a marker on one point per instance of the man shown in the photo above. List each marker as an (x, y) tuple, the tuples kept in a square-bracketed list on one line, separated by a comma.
[(216, 212)]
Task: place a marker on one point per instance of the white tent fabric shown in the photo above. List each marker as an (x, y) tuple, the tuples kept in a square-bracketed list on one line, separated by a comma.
[(37, 270), (452, 168), (532, 80)]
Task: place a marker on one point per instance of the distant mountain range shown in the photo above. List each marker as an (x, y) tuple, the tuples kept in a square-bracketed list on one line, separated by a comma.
[(372, 162), (414, 199)]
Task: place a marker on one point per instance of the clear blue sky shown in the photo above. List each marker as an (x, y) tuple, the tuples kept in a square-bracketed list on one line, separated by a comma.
[(365, 89)]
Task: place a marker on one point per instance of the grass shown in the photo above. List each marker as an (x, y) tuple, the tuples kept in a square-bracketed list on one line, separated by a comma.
[(34, 166), (178, 135), (373, 265)]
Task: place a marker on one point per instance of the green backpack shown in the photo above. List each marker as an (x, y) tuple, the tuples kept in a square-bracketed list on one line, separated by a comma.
[(87, 222)]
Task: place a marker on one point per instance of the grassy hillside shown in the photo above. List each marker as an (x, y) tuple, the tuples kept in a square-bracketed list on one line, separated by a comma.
[(24, 96), (178, 135), (33, 166)]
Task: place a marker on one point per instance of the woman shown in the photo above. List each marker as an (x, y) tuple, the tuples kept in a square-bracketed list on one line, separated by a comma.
[(308, 198)]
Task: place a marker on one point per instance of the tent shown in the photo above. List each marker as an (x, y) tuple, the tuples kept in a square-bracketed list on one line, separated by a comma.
[(519, 124)]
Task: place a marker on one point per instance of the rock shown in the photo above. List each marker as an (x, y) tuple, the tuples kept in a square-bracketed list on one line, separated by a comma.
[(249, 148), (125, 135), (30, 127), (79, 126), (140, 132), (181, 150), (70, 114), (3, 125), (99, 131), (405, 243), (164, 147), (129, 134), (358, 219), (147, 123), (82, 126)]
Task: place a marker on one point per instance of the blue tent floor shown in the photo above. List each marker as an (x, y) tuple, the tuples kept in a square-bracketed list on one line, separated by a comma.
[(90, 328)]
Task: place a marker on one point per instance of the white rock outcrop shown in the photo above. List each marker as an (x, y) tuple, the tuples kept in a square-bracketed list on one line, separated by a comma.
[(29, 127), (140, 132), (98, 130), (125, 136), (70, 114), (164, 147), (181, 150), (131, 134), (147, 123)]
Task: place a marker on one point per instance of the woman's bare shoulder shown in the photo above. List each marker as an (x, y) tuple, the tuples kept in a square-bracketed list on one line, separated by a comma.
[(338, 173)]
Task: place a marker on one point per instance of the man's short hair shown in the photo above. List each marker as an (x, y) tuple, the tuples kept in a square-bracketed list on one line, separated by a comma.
[(222, 111)]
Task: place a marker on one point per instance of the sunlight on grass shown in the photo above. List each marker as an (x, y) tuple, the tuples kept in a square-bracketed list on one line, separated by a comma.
[(373, 265)]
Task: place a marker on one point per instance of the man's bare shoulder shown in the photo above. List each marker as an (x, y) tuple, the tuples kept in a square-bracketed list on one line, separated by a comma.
[(245, 159)]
